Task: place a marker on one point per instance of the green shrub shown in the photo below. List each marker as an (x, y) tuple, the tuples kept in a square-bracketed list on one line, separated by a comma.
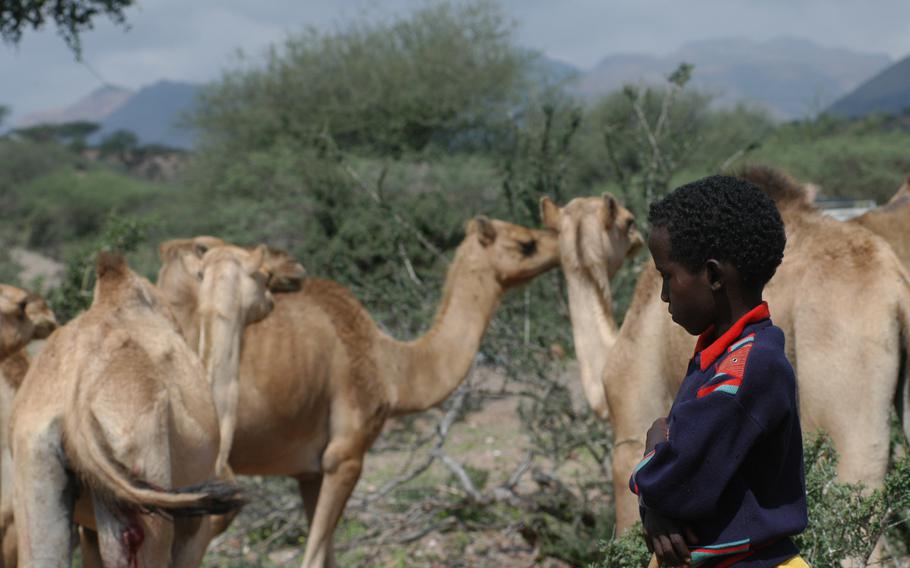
[(74, 294)]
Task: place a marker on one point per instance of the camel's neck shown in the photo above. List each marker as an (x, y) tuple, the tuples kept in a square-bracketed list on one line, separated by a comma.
[(594, 332), (426, 371), (219, 325), (184, 305), (188, 319)]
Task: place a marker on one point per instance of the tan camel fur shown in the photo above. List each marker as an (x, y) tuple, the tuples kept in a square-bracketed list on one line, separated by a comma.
[(232, 295), (116, 407), (318, 378), (596, 234), (23, 317), (40, 319), (891, 222), (181, 289), (203, 321), (843, 301)]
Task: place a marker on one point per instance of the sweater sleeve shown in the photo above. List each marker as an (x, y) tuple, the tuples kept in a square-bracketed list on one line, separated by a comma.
[(709, 439)]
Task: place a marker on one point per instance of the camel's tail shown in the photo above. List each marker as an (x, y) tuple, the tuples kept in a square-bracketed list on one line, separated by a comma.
[(91, 457)]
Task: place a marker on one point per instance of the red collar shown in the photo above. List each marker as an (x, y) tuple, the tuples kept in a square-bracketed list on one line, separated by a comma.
[(710, 353)]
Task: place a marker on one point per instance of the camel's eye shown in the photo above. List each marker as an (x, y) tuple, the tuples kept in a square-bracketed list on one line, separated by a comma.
[(23, 306), (528, 248)]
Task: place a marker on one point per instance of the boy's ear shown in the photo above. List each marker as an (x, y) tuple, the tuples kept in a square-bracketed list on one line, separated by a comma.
[(715, 274)]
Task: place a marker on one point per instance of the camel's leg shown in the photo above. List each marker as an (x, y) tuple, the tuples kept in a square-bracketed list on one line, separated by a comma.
[(191, 539), (9, 545), (90, 549), (220, 523), (342, 470), (7, 527), (309, 492), (7, 522), (43, 498), (131, 540), (625, 457)]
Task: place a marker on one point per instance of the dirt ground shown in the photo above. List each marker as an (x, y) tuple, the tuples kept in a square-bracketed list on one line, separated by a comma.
[(489, 439)]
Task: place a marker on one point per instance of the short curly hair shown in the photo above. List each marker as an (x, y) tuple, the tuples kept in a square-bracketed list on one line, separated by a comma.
[(725, 218)]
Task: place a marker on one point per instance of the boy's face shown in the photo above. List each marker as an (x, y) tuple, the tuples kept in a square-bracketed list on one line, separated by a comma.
[(689, 294)]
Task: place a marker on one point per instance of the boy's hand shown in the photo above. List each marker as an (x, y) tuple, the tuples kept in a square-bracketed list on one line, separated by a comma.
[(668, 539), (657, 433)]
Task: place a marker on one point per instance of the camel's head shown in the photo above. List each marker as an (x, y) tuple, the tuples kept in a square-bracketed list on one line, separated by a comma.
[(515, 254), (41, 314), (179, 281), (233, 276), (596, 234), (178, 276), (23, 317), (287, 274)]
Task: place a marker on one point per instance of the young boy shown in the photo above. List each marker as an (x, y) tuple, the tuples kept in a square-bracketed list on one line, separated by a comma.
[(722, 481)]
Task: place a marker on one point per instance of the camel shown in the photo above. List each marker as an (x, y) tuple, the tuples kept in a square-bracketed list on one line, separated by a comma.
[(183, 285), (891, 221), (37, 321), (23, 317), (596, 234), (116, 409), (181, 289), (318, 378), (832, 340)]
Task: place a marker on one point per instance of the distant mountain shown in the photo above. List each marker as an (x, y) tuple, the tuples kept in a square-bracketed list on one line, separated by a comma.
[(549, 72), (888, 92), (153, 115), (93, 107), (791, 77)]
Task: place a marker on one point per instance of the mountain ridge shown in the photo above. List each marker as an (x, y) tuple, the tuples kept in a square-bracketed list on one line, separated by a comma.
[(790, 76), (887, 92), (93, 107)]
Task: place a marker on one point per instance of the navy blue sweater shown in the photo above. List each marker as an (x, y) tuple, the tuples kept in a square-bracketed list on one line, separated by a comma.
[(732, 464)]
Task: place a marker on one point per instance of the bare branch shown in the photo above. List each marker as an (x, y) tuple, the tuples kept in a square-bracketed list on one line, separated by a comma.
[(377, 197), (442, 433), (462, 476)]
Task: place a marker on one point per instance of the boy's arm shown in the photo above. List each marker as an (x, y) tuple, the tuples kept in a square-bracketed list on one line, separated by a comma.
[(708, 440)]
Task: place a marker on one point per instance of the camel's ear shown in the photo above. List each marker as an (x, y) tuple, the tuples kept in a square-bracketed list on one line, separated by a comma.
[(199, 249), (611, 208), (549, 213), (254, 263), (167, 248), (192, 264), (486, 232)]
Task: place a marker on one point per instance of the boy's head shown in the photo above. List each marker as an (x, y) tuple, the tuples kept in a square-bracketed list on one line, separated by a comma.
[(715, 241)]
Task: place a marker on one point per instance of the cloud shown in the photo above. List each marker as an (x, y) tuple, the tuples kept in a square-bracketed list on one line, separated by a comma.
[(195, 41)]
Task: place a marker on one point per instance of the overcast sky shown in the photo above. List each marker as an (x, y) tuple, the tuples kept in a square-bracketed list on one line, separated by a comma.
[(194, 40)]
